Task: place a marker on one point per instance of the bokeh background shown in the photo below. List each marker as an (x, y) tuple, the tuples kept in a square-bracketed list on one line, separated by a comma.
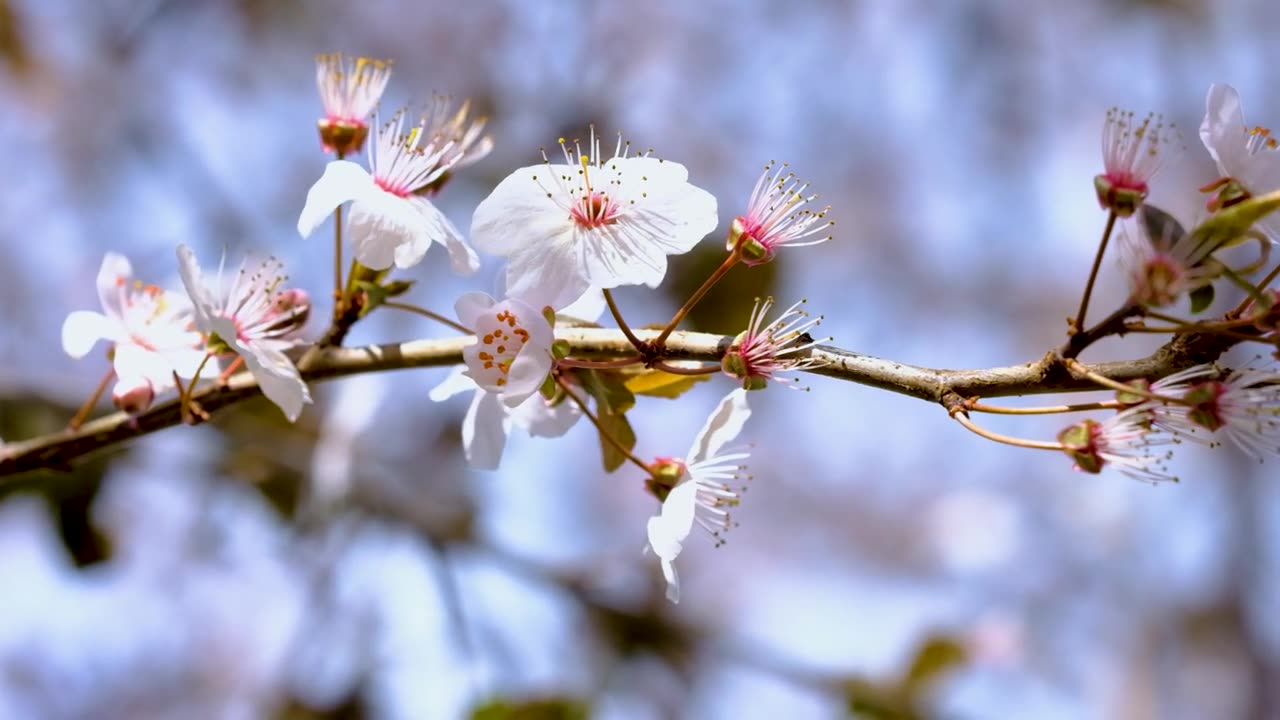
[(888, 563)]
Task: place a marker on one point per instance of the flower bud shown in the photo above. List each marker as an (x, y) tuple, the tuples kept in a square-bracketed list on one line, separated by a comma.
[(133, 395)]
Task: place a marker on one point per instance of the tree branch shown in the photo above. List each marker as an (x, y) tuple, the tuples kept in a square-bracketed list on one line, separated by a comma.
[(1046, 375)]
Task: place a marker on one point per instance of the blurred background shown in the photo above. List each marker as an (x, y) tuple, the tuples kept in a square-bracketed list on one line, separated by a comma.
[(888, 563)]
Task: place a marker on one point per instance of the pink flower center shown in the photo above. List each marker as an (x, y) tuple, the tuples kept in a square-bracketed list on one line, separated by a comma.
[(500, 344), (1162, 281), (1124, 179), (395, 188), (594, 210)]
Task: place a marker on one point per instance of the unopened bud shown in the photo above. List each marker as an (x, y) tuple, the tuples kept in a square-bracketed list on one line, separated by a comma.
[(133, 395), (1121, 200)]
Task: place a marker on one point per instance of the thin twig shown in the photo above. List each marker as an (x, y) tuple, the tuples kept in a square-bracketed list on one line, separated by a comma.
[(677, 370), (428, 313), (582, 404), (83, 413), (1042, 409), (964, 420), (622, 324), (1093, 273), (706, 286)]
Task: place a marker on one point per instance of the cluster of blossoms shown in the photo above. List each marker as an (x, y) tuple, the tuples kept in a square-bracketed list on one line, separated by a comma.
[(1204, 404), (1164, 264), (570, 232)]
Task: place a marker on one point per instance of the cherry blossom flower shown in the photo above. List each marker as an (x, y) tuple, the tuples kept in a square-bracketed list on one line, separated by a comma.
[(488, 421), (445, 125), (390, 222), (150, 331), (1162, 270), (695, 489), (512, 353), (591, 222), (349, 90), (761, 351), (255, 319), (1130, 158), (1243, 406), (1125, 441), (1246, 157), (776, 217)]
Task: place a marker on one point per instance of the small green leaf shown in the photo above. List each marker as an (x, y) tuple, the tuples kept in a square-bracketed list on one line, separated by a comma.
[(550, 708), (936, 656), (1201, 298), (657, 383), (374, 294), (609, 389), (396, 288), (619, 428)]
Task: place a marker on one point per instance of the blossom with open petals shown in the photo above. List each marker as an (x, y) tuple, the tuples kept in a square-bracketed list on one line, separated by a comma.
[(150, 331), (1126, 441), (591, 222), (696, 488), (1248, 158), (349, 90), (1163, 269), (463, 134), (1130, 158), (762, 351), (1243, 406), (257, 320), (488, 420), (777, 217), (390, 221), (511, 356)]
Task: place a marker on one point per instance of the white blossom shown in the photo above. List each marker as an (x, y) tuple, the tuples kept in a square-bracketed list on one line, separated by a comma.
[(591, 222), (701, 493), (254, 318), (1247, 156)]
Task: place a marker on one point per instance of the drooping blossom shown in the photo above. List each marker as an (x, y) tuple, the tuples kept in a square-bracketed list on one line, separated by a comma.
[(591, 222), (696, 489), (349, 91), (1125, 441), (488, 421), (777, 217), (445, 125), (1246, 157), (255, 318), (762, 351), (1130, 158), (511, 356), (150, 330), (1243, 406), (390, 221), (1160, 270)]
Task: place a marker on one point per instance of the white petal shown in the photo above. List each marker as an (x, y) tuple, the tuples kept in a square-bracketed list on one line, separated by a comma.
[(115, 274), (381, 223), (621, 254), (471, 306), (484, 431), (693, 211), (543, 420), (549, 275), (589, 307), (462, 258), (342, 181), (456, 382), (528, 372), (1223, 131), (202, 304), (277, 377), (673, 581), (131, 361), (668, 529), (83, 329), (723, 426), (518, 214)]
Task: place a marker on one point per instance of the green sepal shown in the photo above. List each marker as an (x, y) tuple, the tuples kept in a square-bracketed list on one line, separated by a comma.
[(1201, 298)]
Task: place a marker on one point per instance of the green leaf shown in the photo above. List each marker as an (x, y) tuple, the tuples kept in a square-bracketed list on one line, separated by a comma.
[(396, 288), (374, 294), (1162, 228), (657, 383), (619, 429), (1201, 298), (609, 389), (552, 708), (936, 656)]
